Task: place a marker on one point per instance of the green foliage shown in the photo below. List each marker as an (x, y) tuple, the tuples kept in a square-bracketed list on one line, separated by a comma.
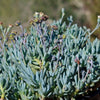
[(56, 62)]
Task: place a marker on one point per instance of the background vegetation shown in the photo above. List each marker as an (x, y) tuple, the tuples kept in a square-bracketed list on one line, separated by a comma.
[(84, 12)]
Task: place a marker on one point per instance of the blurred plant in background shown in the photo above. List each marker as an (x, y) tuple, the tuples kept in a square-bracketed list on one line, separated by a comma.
[(84, 12)]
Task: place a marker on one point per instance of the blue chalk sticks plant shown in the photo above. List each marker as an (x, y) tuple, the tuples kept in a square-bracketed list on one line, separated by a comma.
[(51, 62)]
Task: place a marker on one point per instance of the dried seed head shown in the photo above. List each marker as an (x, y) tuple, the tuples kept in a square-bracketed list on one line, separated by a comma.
[(39, 17), (31, 22), (18, 23), (36, 15), (10, 25), (41, 14), (13, 33), (89, 71), (77, 60), (55, 27), (1, 23), (39, 21), (44, 18)]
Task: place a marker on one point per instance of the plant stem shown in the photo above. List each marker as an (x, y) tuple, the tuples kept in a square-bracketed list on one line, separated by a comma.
[(78, 72), (91, 62)]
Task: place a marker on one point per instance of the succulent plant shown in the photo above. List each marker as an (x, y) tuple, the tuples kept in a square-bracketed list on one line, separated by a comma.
[(52, 62)]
